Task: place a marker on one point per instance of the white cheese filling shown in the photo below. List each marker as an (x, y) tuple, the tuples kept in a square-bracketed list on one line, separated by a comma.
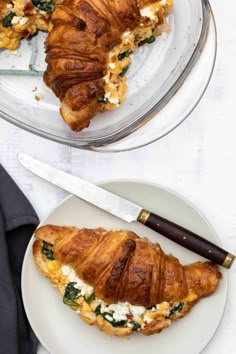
[(151, 10), (119, 311), (72, 277), (147, 12), (19, 19)]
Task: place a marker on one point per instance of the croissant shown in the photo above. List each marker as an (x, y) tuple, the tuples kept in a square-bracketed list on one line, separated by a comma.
[(119, 281), (88, 52)]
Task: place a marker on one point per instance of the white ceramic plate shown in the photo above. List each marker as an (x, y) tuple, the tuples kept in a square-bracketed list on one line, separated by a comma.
[(59, 328)]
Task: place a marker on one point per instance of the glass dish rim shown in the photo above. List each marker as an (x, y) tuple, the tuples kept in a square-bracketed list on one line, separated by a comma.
[(94, 145)]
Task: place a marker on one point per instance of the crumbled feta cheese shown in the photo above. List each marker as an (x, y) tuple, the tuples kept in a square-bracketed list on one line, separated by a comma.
[(23, 20), (19, 19), (114, 100), (68, 272), (103, 307), (127, 37), (106, 78), (76, 286), (65, 270), (15, 20), (147, 319), (121, 307), (112, 65), (107, 95), (147, 12), (120, 311), (108, 317), (119, 317), (126, 34), (137, 310)]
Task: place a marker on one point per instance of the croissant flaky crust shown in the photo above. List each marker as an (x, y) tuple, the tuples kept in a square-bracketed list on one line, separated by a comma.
[(118, 268), (88, 52)]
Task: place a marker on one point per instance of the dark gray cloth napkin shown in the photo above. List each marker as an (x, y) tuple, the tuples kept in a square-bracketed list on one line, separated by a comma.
[(17, 223)]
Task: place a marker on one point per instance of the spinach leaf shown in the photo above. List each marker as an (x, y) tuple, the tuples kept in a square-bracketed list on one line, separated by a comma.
[(90, 298), (47, 250), (101, 99), (112, 322), (123, 72), (44, 5), (98, 310), (8, 19), (177, 308), (150, 40), (135, 325), (71, 294), (117, 323), (123, 55)]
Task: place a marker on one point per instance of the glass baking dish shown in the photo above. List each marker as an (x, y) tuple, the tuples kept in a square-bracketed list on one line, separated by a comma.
[(157, 73)]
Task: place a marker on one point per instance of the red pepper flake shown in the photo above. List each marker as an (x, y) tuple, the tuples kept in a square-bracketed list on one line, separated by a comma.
[(26, 34), (148, 324), (130, 316), (28, 7)]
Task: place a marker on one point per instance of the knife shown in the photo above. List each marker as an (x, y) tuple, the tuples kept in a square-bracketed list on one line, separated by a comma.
[(126, 210)]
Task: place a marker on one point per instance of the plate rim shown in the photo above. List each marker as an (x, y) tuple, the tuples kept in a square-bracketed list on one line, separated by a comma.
[(102, 183)]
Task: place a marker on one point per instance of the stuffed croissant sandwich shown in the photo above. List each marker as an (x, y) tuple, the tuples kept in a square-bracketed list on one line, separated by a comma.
[(88, 52), (118, 281)]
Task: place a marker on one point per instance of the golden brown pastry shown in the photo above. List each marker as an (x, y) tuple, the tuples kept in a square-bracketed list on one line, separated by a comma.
[(88, 52), (118, 281)]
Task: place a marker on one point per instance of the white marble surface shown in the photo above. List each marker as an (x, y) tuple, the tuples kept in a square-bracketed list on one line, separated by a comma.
[(198, 160)]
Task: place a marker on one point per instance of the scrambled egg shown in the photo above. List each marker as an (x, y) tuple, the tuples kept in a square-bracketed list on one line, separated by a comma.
[(152, 25), (122, 316), (22, 19)]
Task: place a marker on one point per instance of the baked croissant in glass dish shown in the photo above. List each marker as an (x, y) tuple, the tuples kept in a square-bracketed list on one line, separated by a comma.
[(118, 281), (88, 51)]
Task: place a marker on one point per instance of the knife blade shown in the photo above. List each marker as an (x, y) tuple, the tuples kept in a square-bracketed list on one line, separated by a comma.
[(126, 210)]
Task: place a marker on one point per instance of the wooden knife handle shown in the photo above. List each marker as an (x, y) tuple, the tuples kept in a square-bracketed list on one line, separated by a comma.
[(186, 238)]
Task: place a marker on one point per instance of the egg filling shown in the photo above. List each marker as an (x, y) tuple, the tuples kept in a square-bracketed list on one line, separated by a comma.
[(153, 24), (22, 19), (82, 299)]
